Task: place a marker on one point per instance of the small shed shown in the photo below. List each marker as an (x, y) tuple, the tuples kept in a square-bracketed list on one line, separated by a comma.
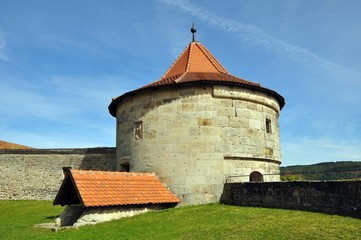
[(91, 195)]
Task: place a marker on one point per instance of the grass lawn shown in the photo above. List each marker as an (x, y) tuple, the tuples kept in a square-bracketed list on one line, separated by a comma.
[(214, 221)]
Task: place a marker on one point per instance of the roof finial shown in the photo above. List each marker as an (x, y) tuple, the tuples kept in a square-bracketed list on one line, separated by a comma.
[(193, 30)]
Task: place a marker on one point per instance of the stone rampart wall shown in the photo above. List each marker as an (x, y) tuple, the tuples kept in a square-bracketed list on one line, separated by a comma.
[(37, 174), (333, 197)]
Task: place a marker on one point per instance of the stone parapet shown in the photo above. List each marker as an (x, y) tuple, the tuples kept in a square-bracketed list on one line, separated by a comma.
[(333, 197)]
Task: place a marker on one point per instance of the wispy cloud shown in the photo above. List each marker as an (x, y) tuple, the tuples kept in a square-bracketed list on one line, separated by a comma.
[(59, 98), (253, 35), (20, 101), (3, 55), (63, 111)]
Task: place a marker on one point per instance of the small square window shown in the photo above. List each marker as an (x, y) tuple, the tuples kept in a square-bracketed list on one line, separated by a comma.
[(268, 125)]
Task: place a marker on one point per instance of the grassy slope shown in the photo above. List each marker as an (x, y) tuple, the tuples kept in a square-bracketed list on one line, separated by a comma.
[(196, 222)]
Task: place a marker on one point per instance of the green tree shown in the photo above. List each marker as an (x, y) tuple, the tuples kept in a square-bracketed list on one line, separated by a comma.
[(292, 177)]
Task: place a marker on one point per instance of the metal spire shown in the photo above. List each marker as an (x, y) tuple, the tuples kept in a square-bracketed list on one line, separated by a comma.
[(193, 30)]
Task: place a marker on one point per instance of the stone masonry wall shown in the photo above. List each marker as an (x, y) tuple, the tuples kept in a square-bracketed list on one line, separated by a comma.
[(194, 136), (334, 197), (37, 173)]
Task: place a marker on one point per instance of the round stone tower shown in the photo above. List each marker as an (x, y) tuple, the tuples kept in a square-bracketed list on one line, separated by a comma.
[(199, 126)]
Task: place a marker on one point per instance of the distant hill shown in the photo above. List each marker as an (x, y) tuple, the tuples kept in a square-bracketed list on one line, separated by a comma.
[(324, 171), (8, 145)]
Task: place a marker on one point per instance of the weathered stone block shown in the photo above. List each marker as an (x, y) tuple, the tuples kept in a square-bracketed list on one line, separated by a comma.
[(204, 122), (227, 111)]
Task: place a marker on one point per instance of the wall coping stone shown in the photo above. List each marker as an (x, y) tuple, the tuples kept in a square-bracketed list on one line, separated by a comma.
[(96, 150)]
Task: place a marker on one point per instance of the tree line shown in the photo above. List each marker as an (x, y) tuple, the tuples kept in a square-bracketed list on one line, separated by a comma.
[(346, 170)]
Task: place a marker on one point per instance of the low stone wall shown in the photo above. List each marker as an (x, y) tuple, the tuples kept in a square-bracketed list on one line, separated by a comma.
[(78, 216), (36, 174), (333, 197)]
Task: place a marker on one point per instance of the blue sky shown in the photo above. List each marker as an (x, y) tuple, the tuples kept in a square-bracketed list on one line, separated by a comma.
[(61, 62)]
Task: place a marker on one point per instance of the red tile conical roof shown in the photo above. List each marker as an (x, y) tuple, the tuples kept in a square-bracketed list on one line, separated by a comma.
[(194, 64), (197, 64)]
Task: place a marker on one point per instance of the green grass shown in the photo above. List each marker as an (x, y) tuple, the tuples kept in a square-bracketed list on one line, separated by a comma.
[(214, 221)]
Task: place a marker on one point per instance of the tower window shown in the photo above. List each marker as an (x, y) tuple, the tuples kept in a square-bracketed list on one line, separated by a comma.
[(138, 130), (268, 125)]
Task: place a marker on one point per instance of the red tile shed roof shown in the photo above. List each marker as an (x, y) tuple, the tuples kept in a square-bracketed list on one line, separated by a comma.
[(102, 188), (197, 64)]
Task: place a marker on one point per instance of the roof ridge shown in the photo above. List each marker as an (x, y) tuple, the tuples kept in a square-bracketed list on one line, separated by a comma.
[(82, 171), (189, 57), (179, 79), (174, 63), (213, 60)]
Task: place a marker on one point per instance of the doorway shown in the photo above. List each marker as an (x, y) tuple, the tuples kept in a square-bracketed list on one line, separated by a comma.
[(256, 177), (124, 167)]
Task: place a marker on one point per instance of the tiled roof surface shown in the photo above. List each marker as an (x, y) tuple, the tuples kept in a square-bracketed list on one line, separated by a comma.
[(8, 145), (101, 188), (196, 63)]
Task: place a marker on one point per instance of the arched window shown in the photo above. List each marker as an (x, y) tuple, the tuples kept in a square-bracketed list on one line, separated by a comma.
[(256, 177)]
